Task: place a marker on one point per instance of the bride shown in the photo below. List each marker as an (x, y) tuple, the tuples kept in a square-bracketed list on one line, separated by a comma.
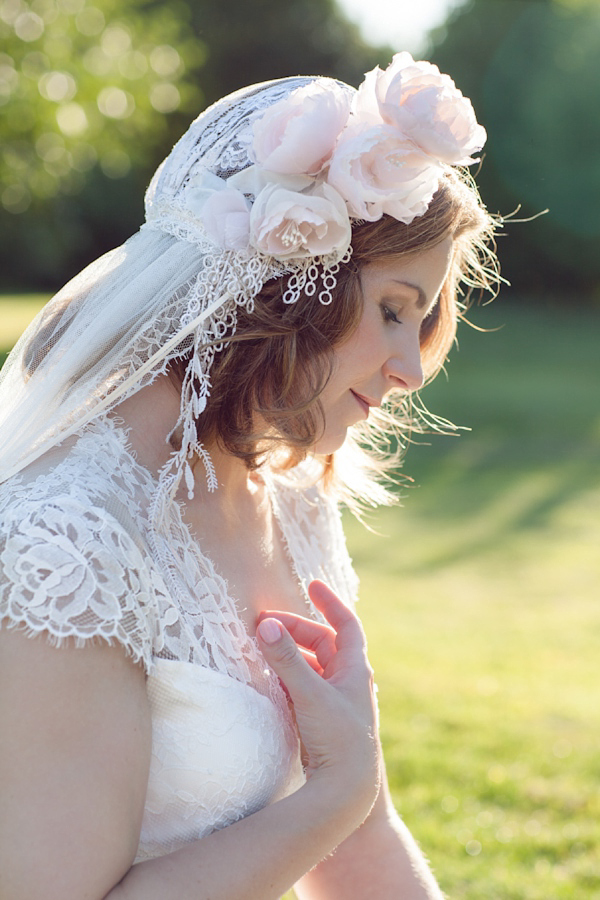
[(187, 707)]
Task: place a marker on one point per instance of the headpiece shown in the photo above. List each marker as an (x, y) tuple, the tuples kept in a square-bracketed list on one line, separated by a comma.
[(265, 183)]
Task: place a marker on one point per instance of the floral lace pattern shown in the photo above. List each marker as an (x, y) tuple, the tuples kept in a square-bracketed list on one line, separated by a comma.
[(68, 569), (79, 561)]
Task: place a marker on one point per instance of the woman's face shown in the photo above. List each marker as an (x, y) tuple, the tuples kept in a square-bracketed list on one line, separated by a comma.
[(384, 351)]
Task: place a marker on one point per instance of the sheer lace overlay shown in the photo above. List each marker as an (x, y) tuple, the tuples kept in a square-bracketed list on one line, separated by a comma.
[(80, 560)]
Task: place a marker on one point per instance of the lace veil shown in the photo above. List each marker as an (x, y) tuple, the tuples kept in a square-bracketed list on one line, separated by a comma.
[(169, 289)]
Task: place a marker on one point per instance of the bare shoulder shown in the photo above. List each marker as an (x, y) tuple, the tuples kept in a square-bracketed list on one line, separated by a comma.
[(74, 756)]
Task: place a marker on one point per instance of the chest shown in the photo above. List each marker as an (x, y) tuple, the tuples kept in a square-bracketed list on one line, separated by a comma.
[(251, 554)]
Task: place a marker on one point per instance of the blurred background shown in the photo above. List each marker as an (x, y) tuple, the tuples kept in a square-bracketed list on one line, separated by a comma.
[(480, 592), (93, 94)]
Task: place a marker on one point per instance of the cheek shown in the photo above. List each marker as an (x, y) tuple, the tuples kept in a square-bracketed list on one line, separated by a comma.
[(368, 337), (361, 352), (352, 360)]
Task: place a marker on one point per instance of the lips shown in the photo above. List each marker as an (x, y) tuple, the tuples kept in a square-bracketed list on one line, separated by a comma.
[(362, 402)]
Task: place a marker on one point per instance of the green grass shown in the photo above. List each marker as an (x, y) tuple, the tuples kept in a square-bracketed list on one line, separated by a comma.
[(15, 314), (481, 603), (480, 599)]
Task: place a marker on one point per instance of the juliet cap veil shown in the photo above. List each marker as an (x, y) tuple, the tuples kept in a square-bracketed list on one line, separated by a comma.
[(265, 183)]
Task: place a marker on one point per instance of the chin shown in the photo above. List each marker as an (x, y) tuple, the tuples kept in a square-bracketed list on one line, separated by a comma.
[(329, 444)]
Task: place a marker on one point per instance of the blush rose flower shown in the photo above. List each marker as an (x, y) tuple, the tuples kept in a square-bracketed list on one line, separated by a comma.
[(287, 224), (226, 219), (296, 136), (377, 171), (425, 106)]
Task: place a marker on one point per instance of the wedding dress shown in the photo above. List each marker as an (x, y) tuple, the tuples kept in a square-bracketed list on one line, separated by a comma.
[(80, 560)]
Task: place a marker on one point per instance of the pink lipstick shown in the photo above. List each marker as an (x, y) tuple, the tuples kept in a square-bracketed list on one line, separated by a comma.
[(364, 404)]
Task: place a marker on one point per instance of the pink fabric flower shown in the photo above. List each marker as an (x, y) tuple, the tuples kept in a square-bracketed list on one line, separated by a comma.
[(287, 224), (297, 135), (377, 171), (226, 219), (425, 106)]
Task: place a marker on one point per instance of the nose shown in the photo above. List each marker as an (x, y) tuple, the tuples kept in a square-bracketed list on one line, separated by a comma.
[(404, 369)]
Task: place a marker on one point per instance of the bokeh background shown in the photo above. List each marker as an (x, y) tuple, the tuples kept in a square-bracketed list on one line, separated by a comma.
[(481, 591)]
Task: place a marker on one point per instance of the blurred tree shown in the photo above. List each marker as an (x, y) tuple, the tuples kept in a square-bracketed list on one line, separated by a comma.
[(86, 90), (69, 71), (254, 41), (532, 70), (93, 93)]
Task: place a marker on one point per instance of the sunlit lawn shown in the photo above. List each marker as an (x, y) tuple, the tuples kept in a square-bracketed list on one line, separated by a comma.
[(483, 608), (481, 597), (15, 315)]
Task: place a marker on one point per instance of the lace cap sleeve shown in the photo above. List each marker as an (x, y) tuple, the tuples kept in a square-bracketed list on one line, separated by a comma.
[(71, 570)]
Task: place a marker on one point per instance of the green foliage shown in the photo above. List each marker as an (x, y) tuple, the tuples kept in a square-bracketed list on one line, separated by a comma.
[(93, 93), (531, 69), (84, 84), (89, 92), (253, 42)]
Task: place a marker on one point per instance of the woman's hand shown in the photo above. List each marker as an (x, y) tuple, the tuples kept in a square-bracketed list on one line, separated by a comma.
[(327, 675)]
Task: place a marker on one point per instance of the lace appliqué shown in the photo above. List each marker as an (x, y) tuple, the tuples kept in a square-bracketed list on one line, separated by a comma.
[(219, 753), (70, 570)]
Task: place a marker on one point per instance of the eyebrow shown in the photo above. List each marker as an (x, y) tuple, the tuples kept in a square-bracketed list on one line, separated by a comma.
[(421, 298)]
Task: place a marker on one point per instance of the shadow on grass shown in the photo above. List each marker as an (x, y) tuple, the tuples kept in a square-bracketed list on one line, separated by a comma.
[(496, 504)]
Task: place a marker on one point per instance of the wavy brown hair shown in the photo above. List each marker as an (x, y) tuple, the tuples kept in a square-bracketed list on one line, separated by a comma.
[(266, 381)]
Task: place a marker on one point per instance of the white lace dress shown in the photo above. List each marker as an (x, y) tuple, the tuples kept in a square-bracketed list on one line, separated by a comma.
[(79, 560)]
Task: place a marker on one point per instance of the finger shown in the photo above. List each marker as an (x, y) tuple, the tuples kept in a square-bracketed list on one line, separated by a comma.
[(347, 625), (312, 661), (314, 636), (284, 657)]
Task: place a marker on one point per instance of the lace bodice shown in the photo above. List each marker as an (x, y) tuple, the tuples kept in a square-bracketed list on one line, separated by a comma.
[(79, 560)]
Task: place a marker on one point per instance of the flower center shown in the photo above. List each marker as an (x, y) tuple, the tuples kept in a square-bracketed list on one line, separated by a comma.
[(291, 235)]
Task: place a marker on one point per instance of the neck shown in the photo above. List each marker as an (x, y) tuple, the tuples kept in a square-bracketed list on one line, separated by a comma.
[(239, 498), (150, 415)]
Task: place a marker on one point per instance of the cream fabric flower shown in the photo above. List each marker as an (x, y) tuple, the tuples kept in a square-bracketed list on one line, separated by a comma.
[(287, 224), (254, 179), (377, 171), (226, 218), (222, 209), (298, 134)]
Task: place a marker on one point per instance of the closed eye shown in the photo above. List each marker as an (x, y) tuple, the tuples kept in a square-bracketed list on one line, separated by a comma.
[(389, 315)]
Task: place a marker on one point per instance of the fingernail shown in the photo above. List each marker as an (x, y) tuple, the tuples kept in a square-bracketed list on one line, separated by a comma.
[(269, 630)]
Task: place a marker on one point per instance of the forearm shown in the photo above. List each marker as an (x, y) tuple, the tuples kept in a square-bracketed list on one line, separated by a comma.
[(258, 858), (379, 861)]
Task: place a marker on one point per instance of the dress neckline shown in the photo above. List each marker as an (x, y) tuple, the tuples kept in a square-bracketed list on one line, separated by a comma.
[(270, 481)]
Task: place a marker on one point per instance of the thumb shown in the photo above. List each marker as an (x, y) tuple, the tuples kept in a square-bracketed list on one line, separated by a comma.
[(282, 654)]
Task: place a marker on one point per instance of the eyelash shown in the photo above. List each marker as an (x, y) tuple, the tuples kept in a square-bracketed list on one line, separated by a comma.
[(389, 315)]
